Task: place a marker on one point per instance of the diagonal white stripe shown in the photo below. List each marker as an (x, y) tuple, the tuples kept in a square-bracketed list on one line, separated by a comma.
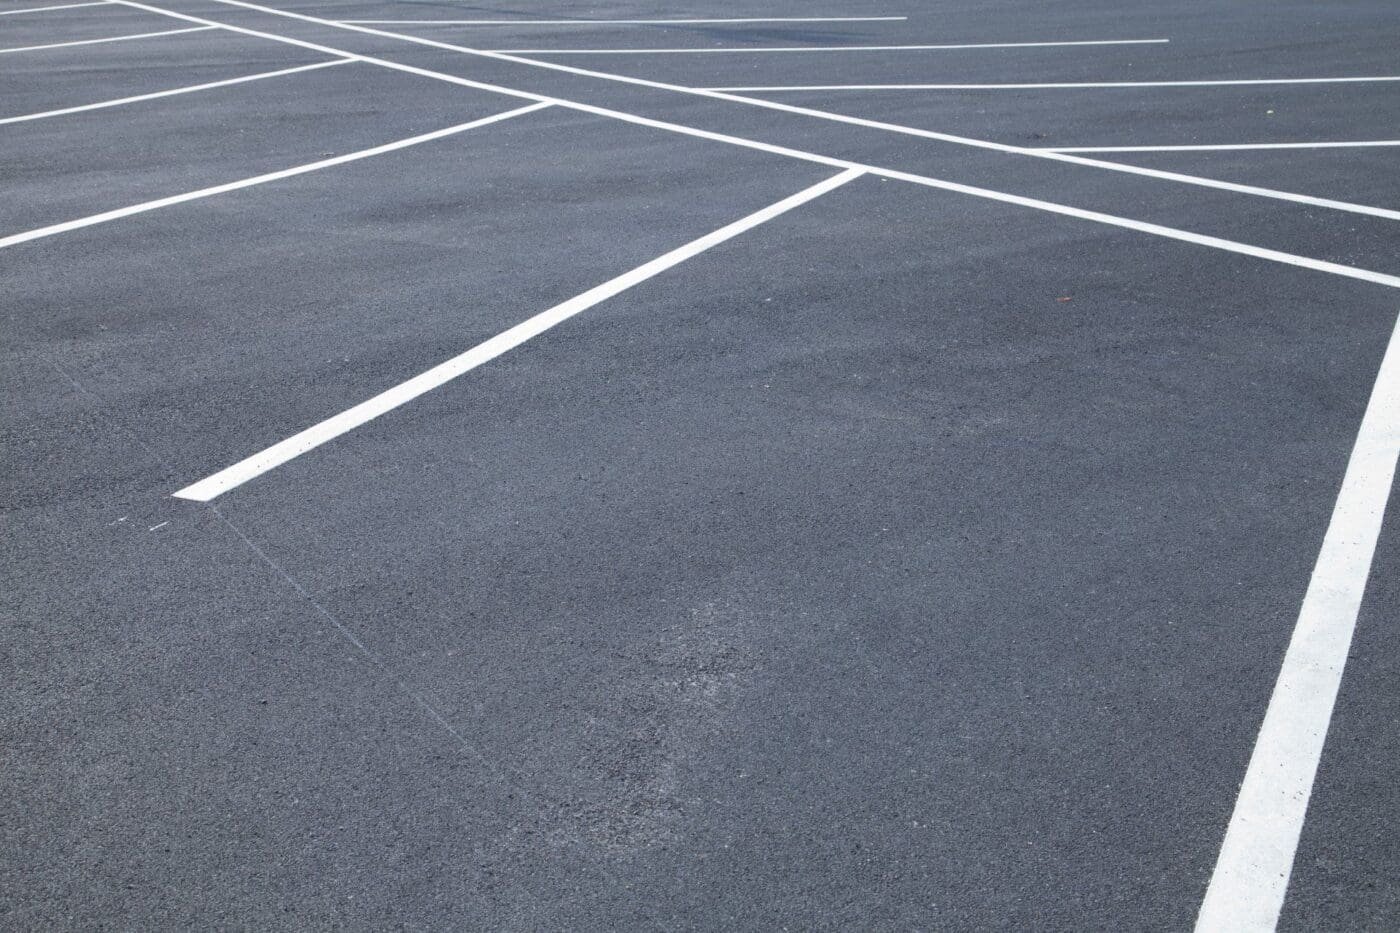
[(105, 216), (170, 93), (318, 434)]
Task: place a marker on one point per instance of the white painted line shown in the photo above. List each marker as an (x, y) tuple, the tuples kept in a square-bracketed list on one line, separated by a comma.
[(316, 435), (139, 35), (1172, 233), (1181, 177), (1247, 890), (624, 22), (61, 6), (105, 216), (170, 93), (1056, 85), (1253, 190), (827, 48), (620, 115), (1196, 180), (1379, 278), (1228, 147)]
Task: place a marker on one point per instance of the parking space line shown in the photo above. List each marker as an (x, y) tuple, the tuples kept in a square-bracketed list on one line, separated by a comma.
[(331, 428), (61, 6), (139, 35), (1379, 278), (1196, 180), (1173, 233), (627, 22), (1250, 881), (105, 216), (1058, 85), (1228, 147), (881, 125), (172, 92), (828, 48)]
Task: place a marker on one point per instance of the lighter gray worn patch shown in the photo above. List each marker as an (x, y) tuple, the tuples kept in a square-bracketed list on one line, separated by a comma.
[(678, 694)]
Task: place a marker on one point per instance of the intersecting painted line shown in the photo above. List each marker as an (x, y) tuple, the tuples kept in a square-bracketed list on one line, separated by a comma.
[(767, 104), (331, 428), (901, 129), (171, 93), (1250, 881), (143, 207), (1186, 236)]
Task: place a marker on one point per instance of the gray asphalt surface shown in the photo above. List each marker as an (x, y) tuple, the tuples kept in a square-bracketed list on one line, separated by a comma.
[(910, 561)]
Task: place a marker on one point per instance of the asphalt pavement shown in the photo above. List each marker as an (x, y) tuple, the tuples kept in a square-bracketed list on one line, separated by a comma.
[(921, 552)]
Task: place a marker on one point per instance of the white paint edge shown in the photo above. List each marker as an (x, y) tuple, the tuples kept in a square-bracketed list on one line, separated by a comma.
[(1250, 881), (61, 6), (171, 93), (623, 22), (139, 35), (105, 216), (1233, 147), (1187, 236), (331, 428), (767, 104), (828, 48), (1062, 85)]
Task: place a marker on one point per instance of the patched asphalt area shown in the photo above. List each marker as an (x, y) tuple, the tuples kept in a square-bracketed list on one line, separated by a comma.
[(911, 560)]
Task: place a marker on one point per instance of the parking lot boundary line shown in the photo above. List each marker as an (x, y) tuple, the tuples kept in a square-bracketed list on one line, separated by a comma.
[(139, 35), (251, 467), (626, 22), (61, 6), (825, 48), (143, 207), (1379, 278), (1234, 147), (1057, 85), (171, 93), (1250, 880)]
